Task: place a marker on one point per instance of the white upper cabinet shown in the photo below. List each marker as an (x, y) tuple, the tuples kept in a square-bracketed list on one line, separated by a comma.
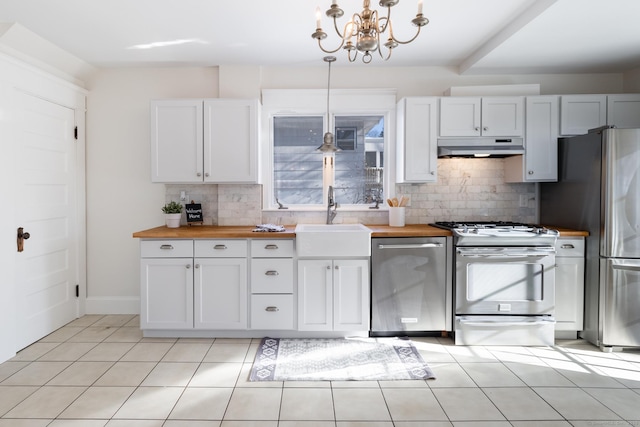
[(623, 110), (176, 141), (196, 141), (231, 141), (540, 161), (579, 113), (417, 144), (491, 116)]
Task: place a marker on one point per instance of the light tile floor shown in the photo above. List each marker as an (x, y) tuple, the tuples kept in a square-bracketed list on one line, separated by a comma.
[(99, 371)]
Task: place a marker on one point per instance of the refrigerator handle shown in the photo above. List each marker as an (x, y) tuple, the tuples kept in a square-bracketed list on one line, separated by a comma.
[(626, 267)]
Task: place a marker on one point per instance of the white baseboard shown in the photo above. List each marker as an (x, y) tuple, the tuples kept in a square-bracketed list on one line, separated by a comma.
[(112, 305)]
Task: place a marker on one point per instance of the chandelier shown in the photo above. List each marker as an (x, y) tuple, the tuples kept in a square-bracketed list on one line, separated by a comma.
[(362, 33)]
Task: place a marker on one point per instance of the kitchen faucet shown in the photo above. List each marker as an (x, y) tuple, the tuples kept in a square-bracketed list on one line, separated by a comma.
[(331, 203)]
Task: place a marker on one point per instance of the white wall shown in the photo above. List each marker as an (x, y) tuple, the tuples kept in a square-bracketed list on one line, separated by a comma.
[(120, 197), (632, 81)]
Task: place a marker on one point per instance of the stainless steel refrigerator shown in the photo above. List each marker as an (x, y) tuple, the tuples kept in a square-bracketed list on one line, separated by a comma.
[(598, 190)]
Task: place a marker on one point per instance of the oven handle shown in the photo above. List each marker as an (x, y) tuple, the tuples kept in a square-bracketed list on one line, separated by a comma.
[(514, 252), (412, 246), (501, 323)]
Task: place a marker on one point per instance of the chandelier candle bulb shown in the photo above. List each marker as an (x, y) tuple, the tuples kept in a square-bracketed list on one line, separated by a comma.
[(419, 7), (318, 18)]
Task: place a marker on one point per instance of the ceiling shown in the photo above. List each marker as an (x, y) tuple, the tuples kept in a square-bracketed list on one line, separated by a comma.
[(476, 36)]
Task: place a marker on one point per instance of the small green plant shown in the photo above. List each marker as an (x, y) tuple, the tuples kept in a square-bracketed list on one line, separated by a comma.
[(172, 208)]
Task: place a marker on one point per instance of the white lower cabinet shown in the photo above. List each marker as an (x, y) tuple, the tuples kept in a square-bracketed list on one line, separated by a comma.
[(166, 284), (220, 293), (272, 284), (569, 312), (333, 295)]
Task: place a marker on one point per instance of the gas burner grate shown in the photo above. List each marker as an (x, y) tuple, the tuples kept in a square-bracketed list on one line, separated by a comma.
[(450, 225)]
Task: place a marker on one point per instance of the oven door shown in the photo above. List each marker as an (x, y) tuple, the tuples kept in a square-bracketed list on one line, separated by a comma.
[(505, 280)]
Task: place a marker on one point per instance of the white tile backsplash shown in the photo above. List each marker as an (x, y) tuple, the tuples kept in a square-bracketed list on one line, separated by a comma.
[(467, 189)]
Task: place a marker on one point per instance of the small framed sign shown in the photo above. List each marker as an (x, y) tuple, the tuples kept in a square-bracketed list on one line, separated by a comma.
[(194, 213)]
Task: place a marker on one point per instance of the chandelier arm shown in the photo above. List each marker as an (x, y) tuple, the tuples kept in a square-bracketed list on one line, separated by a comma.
[(407, 41), (329, 51), (386, 19)]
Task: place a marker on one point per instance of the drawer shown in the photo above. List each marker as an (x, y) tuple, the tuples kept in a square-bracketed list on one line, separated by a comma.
[(274, 248), (272, 276), (272, 312), (166, 248), (570, 247), (221, 248)]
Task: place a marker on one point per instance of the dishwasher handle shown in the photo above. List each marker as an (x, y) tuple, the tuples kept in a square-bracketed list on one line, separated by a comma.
[(412, 246)]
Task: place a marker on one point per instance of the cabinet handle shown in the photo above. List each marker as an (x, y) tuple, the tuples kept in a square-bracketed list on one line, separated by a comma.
[(199, 174), (567, 246), (485, 128), (530, 172), (328, 267), (272, 308), (271, 273), (206, 174), (271, 247), (476, 128), (197, 266), (220, 247), (164, 247), (188, 266), (337, 267)]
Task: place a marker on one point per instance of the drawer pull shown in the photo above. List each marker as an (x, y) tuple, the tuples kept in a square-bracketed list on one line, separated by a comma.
[(188, 266), (567, 246), (166, 247), (271, 273), (271, 246), (272, 308), (220, 247)]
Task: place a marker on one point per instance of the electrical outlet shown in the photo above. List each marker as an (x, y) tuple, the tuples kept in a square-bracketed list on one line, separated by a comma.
[(183, 196), (524, 201)]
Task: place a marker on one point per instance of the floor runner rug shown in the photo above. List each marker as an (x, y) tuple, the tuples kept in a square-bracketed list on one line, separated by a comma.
[(356, 359)]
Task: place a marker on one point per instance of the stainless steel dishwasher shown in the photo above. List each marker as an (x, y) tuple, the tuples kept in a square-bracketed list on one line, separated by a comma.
[(411, 285)]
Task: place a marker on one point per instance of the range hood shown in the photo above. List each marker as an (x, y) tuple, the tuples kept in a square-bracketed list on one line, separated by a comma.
[(480, 147)]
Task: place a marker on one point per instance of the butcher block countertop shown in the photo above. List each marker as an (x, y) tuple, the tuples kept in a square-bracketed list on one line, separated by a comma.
[(246, 232)]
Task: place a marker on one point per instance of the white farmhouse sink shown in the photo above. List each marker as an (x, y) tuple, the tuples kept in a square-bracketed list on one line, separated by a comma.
[(333, 240)]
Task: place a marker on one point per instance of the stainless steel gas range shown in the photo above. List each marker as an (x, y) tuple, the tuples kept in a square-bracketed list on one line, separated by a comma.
[(504, 283)]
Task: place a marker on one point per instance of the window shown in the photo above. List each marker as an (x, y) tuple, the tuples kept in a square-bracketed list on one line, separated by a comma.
[(296, 175)]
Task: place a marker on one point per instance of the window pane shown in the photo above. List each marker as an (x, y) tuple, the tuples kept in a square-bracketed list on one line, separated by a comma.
[(297, 166), (358, 170)]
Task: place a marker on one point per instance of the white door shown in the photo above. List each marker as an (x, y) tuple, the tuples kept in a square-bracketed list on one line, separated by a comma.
[(47, 269), (220, 296), (351, 295), (315, 295)]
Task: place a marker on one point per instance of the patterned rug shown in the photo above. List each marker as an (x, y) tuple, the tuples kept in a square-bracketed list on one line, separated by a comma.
[(357, 359)]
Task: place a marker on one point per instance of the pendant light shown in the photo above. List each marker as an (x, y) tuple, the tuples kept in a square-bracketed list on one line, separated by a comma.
[(328, 145)]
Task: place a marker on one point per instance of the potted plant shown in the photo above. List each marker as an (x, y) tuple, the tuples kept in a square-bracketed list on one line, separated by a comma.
[(172, 214)]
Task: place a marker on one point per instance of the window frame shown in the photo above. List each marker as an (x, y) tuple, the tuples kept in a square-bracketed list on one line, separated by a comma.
[(313, 102)]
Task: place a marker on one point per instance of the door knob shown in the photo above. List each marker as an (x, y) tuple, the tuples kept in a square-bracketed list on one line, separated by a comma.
[(22, 236)]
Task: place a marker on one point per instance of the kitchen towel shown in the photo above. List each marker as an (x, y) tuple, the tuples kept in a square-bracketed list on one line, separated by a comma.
[(350, 359)]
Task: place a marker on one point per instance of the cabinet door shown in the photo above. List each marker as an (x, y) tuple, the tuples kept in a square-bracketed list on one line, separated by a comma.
[(220, 287), (579, 113), (623, 111), (230, 141), (503, 116), (176, 141), (351, 295), (460, 116), (166, 293), (541, 139), (315, 295), (417, 140), (569, 294)]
